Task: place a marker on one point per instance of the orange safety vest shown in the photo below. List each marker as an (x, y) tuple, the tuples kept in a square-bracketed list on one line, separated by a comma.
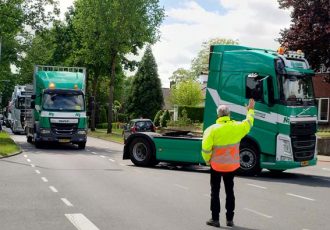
[(225, 158)]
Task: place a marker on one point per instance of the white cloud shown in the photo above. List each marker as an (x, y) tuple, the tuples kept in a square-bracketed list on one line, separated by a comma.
[(254, 23)]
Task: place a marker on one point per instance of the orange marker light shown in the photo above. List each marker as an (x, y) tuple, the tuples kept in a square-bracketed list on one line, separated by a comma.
[(51, 85), (281, 50), (75, 87)]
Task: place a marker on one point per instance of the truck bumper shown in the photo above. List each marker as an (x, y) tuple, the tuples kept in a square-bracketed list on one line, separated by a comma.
[(283, 165), (77, 138)]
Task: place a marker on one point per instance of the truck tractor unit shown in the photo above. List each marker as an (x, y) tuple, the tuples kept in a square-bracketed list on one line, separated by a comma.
[(58, 110), (283, 135), (17, 107)]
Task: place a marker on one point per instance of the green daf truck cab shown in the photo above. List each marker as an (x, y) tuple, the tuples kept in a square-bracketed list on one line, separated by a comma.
[(58, 108), (283, 135)]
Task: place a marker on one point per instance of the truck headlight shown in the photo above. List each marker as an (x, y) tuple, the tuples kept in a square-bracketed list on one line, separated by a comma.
[(44, 131), (82, 132)]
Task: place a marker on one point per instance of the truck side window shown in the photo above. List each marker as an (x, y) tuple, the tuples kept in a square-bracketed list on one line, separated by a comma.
[(254, 88)]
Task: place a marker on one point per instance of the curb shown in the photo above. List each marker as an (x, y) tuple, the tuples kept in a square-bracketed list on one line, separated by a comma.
[(14, 154)]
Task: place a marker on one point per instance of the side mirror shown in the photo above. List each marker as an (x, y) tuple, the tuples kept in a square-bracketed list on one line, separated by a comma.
[(33, 105)]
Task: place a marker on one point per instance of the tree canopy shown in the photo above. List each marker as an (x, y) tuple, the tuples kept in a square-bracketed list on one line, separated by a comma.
[(309, 31), (187, 93), (111, 29)]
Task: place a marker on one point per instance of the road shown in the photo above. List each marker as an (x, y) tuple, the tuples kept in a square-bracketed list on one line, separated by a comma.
[(63, 188)]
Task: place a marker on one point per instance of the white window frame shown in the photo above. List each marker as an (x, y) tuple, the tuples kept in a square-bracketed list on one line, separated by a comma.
[(319, 109)]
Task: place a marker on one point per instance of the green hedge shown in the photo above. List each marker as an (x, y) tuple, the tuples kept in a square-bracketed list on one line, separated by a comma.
[(195, 114)]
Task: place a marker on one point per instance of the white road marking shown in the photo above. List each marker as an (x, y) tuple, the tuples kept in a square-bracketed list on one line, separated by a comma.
[(257, 186), (28, 160), (112, 160), (326, 169), (180, 186), (37, 171), (33, 166), (94, 152), (258, 213), (66, 202), (44, 179), (53, 188), (25, 156), (81, 222), (302, 197), (102, 156)]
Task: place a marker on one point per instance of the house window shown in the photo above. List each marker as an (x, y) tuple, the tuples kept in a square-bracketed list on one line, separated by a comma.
[(323, 109)]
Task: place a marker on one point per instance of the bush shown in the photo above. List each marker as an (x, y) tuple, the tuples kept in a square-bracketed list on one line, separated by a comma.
[(165, 118), (102, 126), (157, 118), (115, 125), (193, 113), (122, 117)]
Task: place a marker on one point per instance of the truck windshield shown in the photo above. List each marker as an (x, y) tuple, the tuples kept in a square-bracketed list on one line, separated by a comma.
[(297, 90), (63, 102)]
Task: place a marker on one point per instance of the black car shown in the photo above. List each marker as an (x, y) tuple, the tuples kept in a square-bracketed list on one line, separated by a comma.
[(138, 125)]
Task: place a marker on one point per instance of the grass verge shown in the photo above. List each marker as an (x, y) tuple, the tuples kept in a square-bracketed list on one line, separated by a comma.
[(116, 136), (7, 145)]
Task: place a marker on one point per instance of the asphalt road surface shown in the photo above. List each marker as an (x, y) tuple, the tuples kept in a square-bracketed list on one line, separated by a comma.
[(63, 188)]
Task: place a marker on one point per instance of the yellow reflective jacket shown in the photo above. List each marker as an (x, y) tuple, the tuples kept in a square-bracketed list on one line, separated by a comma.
[(225, 133)]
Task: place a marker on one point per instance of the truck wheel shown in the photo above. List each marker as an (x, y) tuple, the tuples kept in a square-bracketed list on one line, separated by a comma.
[(140, 152), (81, 145), (249, 160)]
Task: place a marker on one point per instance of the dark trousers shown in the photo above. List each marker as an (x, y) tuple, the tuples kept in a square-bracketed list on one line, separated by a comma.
[(228, 179)]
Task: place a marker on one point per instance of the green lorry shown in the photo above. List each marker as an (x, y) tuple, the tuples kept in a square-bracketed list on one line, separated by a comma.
[(283, 135), (58, 110)]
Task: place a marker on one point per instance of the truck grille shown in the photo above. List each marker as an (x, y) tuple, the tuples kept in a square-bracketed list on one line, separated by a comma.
[(303, 140), (64, 129)]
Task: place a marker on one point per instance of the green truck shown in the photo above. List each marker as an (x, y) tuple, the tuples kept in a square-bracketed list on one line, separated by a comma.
[(58, 108), (283, 135)]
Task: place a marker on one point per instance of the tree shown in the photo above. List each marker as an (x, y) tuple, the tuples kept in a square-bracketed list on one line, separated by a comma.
[(146, 96), (186, 93), (200, 64), (165, 118), (157, 118), (111, 29), (181, 75), (309, 31)]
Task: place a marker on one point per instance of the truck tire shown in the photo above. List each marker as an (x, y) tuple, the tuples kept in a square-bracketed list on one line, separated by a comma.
[(81, 145), (249, 160), (141, 152)]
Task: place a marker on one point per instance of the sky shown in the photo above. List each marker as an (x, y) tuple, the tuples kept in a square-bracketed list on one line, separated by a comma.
[(189, 23)]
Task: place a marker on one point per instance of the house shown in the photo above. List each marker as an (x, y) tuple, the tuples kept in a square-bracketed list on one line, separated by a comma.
[(321, 83)]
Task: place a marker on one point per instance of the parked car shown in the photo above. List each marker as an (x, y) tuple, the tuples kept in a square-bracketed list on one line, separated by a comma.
[(138, 125)]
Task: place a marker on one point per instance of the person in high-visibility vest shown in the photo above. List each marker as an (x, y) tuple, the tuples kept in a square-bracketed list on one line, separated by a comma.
[(220, 150)]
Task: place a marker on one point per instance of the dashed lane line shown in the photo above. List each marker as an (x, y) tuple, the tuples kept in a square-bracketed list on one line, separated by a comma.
[(37, 171), (257, 186), (102, 156), (33, 166), (53, 189), (258, 213), (94, 153), (298, 196), (44, 179), (81, 222), (326, 169), (28, 160), (66, 202), (112, 160), (25, 156)]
